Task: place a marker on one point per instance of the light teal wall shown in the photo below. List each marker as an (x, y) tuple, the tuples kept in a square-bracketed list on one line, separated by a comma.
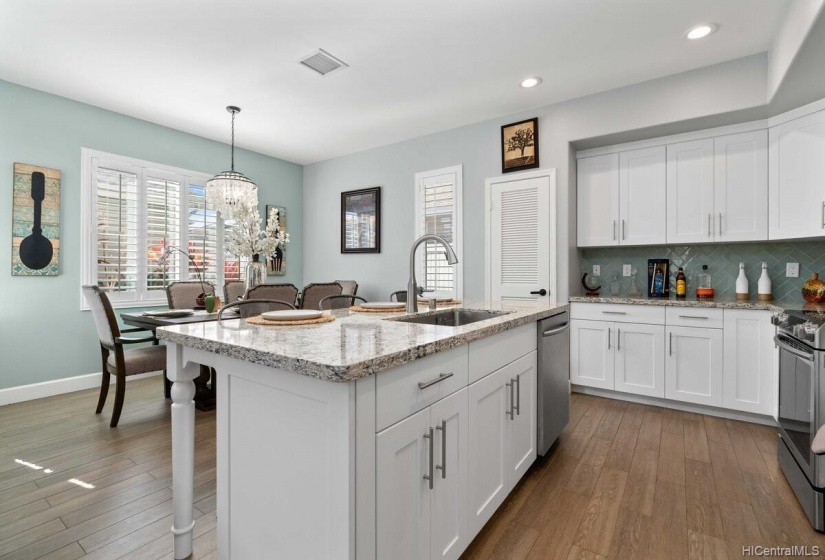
[(723, 264), (43, 333)]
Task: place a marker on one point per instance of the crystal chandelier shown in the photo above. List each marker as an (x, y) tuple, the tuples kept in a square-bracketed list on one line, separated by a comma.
[(231, 192)]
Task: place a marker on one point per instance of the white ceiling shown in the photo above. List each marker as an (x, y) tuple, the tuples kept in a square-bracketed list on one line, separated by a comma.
[(416, 66)]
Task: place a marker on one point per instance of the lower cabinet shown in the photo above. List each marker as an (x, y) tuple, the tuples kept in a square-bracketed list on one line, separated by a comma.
[(591, 354), (502, 416), (749, 361), (694, 365), (421, 483)]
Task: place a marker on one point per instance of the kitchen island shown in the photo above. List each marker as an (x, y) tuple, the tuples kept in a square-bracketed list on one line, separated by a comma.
[(366, 437)]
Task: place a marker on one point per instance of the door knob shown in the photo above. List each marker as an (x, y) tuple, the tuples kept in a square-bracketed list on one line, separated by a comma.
[(541, 292)]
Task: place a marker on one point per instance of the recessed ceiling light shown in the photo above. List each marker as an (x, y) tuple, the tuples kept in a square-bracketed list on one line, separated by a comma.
[(701, 31), (532, 81)]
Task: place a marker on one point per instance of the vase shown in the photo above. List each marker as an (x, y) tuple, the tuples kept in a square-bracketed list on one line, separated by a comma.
[(814, 289), (764, 285), (742, 292), (255, 272)]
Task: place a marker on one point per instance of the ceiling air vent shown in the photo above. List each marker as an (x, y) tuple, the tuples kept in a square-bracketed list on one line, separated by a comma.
[(323, 62)]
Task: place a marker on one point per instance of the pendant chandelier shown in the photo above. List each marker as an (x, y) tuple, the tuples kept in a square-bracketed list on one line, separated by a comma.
[(231, 192)]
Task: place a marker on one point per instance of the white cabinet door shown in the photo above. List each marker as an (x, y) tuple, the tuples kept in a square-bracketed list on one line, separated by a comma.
[(403, 496), (741, 186), (598, 200), (694, 365), (690, 192), (522, 438), (640, 359), (489, 418), (450, 527), (591, 353), (749, 361), (642, 197), (797, 177)]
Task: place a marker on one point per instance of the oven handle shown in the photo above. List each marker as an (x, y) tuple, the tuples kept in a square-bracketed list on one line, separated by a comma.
[(792, 350)]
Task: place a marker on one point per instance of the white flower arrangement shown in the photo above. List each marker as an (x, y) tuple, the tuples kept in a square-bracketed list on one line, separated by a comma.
[(246, 238)]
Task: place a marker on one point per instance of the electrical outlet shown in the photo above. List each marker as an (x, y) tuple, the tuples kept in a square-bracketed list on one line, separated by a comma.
[(597, 270), (626, 270), (792, 270)]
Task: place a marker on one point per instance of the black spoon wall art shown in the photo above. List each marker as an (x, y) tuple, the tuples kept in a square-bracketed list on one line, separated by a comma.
[(36, 250)]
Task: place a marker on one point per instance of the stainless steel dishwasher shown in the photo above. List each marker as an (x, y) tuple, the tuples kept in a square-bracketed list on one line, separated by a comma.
[(553, 375)]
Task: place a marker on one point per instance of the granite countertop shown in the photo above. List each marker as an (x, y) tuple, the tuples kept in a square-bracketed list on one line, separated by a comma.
[(720, 303), (355, 345)]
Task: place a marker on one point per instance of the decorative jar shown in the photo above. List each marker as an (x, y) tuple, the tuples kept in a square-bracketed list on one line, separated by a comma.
[(255, 272), (814, 289)]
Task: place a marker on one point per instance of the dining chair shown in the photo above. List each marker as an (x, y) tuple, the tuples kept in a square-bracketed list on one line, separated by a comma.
[(313, 294), (232, 290), (400, 296), (182, 295), (280, 292), (348, 287), (251, 307), (340, 301), (115, 360)]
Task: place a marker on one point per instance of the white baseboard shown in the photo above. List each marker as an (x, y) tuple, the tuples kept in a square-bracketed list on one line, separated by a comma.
[(58, 387)]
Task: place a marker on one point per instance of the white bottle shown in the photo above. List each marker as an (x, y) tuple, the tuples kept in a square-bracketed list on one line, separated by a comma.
[(742, 292), (765, 284)]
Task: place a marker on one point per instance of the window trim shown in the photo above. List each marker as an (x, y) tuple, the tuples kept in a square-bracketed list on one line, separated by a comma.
[(458, 229), (90, 160)]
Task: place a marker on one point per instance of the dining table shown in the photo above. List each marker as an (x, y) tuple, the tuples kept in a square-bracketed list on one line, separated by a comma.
[(204, 393)]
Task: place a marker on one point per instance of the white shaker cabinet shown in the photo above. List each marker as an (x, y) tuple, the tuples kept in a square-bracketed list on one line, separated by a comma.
[(422, 483), (741, 187), (639, 359), (598, 201), (642, 197), (797, 178), (694, 365), (502, 435), (591, 353), (690, 192), (749, 361)]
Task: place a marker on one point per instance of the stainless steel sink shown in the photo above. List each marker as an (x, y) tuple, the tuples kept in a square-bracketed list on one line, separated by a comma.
[(451, 317)]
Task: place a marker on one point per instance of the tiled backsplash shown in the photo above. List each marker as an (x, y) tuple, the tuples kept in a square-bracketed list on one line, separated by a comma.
[(723, 265)]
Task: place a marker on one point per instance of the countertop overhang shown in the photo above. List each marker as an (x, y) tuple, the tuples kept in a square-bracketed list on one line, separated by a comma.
[(353, 346)]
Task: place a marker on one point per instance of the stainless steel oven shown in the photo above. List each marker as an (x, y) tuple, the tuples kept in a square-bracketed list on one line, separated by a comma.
[(802, 407)]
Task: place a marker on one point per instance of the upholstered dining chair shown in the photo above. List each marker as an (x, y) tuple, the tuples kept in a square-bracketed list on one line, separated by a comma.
[(115, 360), (252, 307), (348, 287), (182, 295), (232, 290), (280, 292), (340, 301), (313, 294), (400, 295)]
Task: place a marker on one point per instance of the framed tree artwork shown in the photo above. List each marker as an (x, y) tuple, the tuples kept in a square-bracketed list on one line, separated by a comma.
[(361, 221), (520, 145)]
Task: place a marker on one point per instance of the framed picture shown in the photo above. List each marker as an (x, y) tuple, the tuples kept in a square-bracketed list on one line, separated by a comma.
[(361, 221), (520, 145), (35, 237), (276, 218)]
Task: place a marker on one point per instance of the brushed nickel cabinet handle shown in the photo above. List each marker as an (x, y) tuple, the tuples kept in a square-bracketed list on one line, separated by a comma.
[(720, 223), (710, 225), (619, 340), (823, 215), (693, 317), (624, 236), (510, 411), (614, 230), (517, 381), (670, 344), (443, 466), (429, 477), (441, 377), (609, 333), (614, 312)]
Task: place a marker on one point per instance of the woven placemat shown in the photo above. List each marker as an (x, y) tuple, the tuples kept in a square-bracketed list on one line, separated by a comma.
[(359, 309), (440, 303), (258, 320)]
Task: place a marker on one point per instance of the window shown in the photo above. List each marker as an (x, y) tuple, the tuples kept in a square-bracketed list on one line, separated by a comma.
[(438, 211), (131, 211)]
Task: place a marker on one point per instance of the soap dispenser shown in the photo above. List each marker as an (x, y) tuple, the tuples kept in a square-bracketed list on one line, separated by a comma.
[(765, 285), (742, 293)]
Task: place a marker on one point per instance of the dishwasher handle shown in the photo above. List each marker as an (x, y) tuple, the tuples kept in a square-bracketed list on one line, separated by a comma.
[(557, 330)]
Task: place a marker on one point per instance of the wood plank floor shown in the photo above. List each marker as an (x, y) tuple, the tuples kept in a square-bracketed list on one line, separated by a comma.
[(634, 481), (625, 481)]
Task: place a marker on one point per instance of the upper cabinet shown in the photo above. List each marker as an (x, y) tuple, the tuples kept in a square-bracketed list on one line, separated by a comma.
[(797, 178), (598, 201), (690, 192), (740, 199), (642, 196)]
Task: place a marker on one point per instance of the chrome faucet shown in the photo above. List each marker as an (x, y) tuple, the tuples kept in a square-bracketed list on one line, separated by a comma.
[(413, 291)]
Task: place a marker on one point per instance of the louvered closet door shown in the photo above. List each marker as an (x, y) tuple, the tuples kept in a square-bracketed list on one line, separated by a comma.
[(520, 239)]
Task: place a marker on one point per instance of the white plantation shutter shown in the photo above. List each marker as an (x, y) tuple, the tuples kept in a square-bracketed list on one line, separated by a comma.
[(203, 236), (519, 237), (163, 198), (438, 211), (117, 231)]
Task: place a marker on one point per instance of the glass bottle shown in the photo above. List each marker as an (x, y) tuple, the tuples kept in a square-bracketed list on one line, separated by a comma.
[(681, 284), (704, 288)]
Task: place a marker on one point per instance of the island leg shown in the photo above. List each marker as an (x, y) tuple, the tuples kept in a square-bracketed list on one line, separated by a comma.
[(183, 447)]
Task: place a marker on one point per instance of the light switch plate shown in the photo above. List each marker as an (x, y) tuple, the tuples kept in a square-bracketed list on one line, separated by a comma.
[(792, 270), (597, 270), (626, 270)]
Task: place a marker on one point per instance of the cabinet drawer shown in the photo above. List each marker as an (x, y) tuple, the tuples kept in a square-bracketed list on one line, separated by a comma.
[(694, 317), (494, 352), (397, 391), (618, 313)]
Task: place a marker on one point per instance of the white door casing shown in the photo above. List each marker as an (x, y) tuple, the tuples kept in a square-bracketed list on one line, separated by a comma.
[(521, 236)]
